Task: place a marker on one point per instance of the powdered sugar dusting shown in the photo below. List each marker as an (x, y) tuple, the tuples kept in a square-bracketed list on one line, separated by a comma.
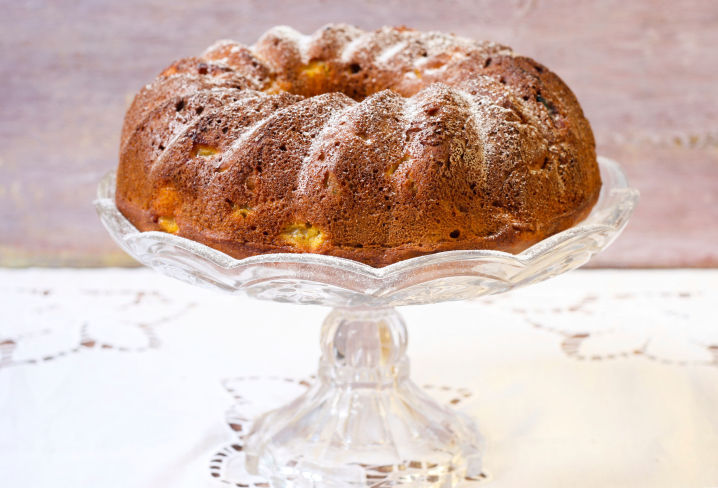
[(391, 52), (349, 50), (440, 126)]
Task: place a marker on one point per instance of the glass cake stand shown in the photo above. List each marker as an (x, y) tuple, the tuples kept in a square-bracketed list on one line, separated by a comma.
[(364, 422)]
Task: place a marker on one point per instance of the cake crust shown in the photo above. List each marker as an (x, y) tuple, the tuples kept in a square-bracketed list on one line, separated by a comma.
[(372, 146)]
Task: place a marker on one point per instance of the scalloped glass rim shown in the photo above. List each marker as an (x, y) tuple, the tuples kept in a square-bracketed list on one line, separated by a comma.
[(607, 219)]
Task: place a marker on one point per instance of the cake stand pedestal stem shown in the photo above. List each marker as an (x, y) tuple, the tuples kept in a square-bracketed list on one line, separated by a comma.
[(364, 422)]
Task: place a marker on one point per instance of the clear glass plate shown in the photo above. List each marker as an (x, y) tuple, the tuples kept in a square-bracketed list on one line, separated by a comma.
[(365, 423), (337, 282)]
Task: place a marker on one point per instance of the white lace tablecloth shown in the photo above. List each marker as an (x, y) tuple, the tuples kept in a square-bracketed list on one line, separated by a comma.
[(127, 379)]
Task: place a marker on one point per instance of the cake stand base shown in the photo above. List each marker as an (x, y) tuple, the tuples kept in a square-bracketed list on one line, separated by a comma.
[(364, 423)]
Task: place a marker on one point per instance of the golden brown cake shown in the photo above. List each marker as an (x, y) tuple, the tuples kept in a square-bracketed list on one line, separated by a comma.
[(373, 146)]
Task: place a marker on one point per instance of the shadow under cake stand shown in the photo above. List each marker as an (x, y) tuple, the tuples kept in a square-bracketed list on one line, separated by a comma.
[(365, 411)]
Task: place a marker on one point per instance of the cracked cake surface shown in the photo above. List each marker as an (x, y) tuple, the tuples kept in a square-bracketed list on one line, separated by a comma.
[(372, 146)]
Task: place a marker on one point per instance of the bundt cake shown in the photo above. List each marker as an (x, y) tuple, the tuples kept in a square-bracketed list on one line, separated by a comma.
[(372, 146)]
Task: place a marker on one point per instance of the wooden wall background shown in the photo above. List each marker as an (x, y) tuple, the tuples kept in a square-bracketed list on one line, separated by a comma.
[(645, 71)]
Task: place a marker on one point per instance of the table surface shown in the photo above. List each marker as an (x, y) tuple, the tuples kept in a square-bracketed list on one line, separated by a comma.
[(124, 378)]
